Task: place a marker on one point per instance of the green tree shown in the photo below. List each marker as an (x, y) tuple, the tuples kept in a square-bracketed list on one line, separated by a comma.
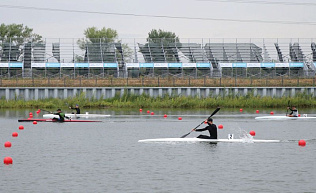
[(103, 46), (161, 46), (14, 38), (18, 33), (160, 36)]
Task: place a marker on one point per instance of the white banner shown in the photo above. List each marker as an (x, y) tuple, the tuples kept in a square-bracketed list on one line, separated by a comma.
[(282, 65), (132, 65), (160, 65), (67, 65), (226, 65), (5, 65), (188, 65), (38, 65), (96, 65), (253, 65)]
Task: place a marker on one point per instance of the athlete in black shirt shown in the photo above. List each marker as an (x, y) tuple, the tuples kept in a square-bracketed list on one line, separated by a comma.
[(76, 108), (211, 128)]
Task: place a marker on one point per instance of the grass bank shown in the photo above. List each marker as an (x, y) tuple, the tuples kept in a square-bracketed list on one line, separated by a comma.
[(144, 101)]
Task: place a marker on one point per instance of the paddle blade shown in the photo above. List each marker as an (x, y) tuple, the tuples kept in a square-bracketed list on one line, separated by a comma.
[(185, 135), (216, 110)]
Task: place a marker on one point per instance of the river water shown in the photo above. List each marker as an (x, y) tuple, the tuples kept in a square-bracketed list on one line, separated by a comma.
[(107, 157)]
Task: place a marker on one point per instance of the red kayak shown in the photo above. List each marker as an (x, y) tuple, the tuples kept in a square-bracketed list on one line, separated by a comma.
[(54, 120)]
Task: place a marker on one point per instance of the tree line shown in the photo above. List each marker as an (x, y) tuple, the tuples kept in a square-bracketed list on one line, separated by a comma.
[(19, 34)]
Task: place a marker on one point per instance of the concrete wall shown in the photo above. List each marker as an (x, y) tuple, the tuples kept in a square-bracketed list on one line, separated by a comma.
[(108, 92)]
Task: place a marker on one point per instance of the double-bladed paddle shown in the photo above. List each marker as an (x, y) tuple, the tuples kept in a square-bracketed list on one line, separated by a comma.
[(216, 110), (288, 106), (45, 110)]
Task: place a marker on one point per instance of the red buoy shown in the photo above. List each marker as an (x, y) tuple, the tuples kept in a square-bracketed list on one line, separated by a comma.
[(7, 160), (15, 134), (179, 118), (37, 112), (31, 116), (252, 133), (7, 144), (205, 122), (148, 111), (140, 110), (257, 111), (152, 113), (34, 122), (30, 113), (299, 115), (302, 142), (220, 126), (21, 127), (271, 113), (240, 110), (165, 116)]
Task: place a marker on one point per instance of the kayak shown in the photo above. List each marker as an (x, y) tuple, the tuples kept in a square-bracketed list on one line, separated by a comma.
[(283, 118), (54, 120), (86, 115), (209, 140)]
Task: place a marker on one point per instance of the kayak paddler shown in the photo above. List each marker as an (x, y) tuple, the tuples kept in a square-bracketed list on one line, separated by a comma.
[(212, 128), (294, 112), (76, 108), (61, 115)]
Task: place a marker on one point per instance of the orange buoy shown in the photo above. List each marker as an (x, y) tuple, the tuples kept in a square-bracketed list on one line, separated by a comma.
[(220, 126), (34, 122), (7, 144), (21, 127), (180, 118), (271, 113), (252, 133), (15, 134), (257, 111), (7, 160), (302, 142)]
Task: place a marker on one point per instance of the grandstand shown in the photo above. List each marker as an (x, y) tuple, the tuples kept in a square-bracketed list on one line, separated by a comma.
[(162, 57)]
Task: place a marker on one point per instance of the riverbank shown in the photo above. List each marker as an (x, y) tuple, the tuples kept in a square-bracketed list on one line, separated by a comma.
[(145, 101)]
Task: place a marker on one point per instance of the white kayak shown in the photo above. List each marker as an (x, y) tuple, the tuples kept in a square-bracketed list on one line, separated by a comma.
[(283, 118), (86, 115), (209, 140)]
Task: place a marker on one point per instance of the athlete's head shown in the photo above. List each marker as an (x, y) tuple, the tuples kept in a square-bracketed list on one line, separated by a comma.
[(210, 120)]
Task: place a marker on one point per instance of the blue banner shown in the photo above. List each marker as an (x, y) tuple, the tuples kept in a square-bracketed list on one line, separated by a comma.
[(239, 65), (16, 65), (296, 65), (81, 65), (110, 65), (52, 65), (267, 65), (203, 65), (146, 65), (174, 65)]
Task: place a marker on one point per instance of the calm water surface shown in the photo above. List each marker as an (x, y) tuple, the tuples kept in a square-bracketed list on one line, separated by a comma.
[(106, 156)]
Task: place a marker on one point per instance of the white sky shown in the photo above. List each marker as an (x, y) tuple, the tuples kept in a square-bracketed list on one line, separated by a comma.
[(54, 24)]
